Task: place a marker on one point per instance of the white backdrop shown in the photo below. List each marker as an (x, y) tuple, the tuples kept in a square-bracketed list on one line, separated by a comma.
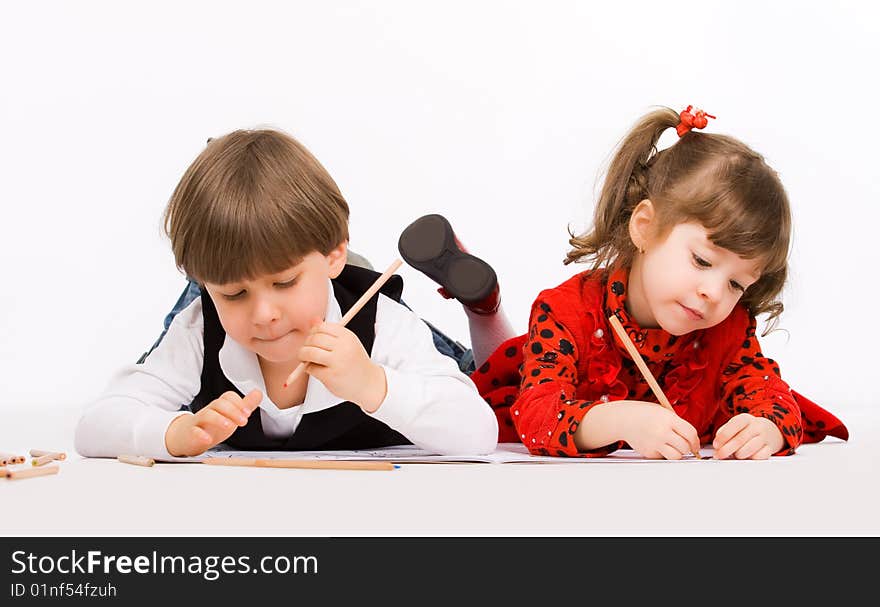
[(498, 114)]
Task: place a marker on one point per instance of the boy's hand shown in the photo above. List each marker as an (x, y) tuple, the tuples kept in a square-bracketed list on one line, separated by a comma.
[(190, 435), (655, 432), (745, 436), (336, 357)]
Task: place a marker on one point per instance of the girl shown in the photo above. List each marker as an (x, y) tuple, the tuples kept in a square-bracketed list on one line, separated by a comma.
[(687, 246)]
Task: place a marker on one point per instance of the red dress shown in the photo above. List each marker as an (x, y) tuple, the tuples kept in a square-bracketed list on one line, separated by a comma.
[(542, 384)]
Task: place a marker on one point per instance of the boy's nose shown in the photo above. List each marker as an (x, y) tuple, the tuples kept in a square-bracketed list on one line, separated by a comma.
[(265, 311)]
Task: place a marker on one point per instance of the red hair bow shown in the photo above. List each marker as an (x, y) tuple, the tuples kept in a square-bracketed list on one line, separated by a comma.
[(690, 120)]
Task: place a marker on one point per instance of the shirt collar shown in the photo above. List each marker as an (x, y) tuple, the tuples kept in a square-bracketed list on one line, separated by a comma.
[(242, 368)]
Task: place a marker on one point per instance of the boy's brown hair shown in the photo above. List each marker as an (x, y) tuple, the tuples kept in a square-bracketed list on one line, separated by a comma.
[(713, 179), (253, 202)]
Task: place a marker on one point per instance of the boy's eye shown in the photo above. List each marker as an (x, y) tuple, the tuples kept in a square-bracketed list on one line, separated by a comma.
[(701, 262), (234, 296), (286, 284)]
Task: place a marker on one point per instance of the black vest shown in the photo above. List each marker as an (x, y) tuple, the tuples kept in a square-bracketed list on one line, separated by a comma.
[(343, 426)]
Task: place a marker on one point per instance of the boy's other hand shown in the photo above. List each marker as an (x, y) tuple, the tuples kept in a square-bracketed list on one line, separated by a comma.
[(190, 435), (336, 357)]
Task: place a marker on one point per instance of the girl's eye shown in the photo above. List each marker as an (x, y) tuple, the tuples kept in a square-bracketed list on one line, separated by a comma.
[(236, 296), (737, 287), (701, 262)]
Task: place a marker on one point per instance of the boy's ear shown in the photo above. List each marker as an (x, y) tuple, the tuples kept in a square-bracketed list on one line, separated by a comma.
[(641, 224), (337, 259)]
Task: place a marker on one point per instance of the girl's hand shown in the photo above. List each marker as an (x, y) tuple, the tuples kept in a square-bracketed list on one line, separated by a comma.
[(745, 436), (189, 435), (338, 360), (653, 431)]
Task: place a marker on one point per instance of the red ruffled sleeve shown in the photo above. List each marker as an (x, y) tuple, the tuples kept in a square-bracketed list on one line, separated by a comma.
[(751, 383), (547, 412)]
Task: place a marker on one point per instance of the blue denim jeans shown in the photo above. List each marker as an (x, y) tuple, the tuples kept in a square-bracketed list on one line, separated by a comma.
[(464, 357)]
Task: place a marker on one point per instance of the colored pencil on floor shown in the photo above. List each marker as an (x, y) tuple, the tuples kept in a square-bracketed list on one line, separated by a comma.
[(11, 459), (137, 460), (59, 455), (296, 463), (43, 459), (30, 472)]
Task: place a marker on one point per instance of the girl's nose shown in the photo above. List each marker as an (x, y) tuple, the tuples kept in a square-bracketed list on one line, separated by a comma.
[(710, 289)]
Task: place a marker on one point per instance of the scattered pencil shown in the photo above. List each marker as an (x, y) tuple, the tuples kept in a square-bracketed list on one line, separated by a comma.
[(352, 311), (137, 460), (10, 459), (30, 472), (640, 363), (55, 454), (297, 463), (43, 459)]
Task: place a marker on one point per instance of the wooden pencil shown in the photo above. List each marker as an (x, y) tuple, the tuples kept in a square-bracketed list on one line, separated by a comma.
[(29, 472), (319, 464), (352, 311), (11, 459), (137, 460), (43, 459), (640, 363), (59, 455)]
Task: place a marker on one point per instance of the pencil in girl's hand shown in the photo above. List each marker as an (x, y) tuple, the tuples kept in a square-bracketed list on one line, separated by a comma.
[(352, 311), (640, 363)]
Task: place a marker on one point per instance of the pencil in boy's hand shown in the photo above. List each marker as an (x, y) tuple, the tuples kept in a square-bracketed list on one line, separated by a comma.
[(640, 363), (321, 464), (352, 311)]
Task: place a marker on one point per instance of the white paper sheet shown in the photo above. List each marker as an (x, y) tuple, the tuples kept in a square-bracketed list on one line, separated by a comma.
[(506, 453)]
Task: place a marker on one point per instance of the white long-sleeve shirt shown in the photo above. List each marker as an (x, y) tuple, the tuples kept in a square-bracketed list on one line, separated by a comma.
[(428, 399)]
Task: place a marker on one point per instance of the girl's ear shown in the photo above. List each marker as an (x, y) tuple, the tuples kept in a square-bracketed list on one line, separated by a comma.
[(337, 259), (641, 224)]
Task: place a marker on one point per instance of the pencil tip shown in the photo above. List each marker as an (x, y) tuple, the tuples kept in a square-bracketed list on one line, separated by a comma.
[(396, 466)]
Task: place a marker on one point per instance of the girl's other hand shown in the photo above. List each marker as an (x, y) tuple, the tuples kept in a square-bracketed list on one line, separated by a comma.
[(745, 436)]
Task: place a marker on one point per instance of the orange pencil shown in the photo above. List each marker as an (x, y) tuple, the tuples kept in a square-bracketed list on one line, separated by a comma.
[(640, 363), (354, 310)]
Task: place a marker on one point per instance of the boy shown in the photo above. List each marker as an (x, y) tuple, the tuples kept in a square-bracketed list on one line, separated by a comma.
[(263, 228)]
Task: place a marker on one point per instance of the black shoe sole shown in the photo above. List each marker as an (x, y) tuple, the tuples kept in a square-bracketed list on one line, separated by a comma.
[(428, 245)]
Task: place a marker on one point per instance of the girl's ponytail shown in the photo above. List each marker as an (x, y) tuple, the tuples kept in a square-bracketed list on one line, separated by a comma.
[(625, 185)]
